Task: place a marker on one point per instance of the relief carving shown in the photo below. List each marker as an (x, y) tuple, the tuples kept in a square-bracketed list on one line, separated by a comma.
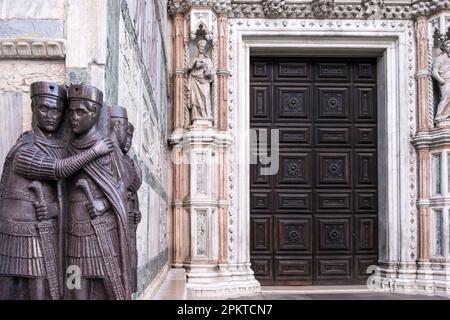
[(429, 7), (372, 8), (323, 8), (202, 216), (274, 8)]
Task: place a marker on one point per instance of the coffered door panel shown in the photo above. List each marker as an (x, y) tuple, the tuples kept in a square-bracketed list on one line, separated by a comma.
[(315, 219)]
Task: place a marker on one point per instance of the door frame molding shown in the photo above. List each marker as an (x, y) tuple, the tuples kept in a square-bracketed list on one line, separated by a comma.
[(394, 44)]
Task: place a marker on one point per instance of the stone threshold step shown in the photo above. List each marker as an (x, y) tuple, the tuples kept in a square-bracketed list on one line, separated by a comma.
[(314, 289)]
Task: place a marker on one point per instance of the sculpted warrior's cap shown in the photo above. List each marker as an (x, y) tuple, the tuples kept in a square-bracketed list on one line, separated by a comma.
[(118, 112), (85, 92), (51, 89)]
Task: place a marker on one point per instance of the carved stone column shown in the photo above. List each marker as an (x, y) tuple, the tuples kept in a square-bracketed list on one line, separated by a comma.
[(222, 72), (424, 207), (179, 36), (181, 236), (423, 81)]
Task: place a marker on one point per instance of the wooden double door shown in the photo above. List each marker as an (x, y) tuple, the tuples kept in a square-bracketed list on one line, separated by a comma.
[(315, 220)]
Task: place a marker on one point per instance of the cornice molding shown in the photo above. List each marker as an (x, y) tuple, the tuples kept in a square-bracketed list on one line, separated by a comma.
[(32, 49), (315, 9)]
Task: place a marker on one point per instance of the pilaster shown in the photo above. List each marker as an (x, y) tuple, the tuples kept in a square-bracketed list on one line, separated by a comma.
[(201, 154)]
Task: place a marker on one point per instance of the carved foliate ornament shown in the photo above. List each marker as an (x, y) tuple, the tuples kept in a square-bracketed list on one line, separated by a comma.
[(323, 8), (182, 6), (429, 7), (274, 8), (372, 8), (363, 9), (177, 6)]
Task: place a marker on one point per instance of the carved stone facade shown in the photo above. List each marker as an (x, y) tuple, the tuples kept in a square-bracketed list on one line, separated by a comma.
[(196, 168), (323, 8), (274, 8), (320, 9), (407, 231)]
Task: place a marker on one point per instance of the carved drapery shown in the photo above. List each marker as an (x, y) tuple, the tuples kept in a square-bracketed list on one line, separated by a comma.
[(200, 87), (441, 75)]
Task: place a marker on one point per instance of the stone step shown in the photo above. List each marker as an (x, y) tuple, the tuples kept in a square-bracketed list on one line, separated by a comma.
[(173, 286)]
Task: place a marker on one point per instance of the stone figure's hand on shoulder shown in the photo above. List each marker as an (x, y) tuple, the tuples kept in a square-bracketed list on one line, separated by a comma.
[(104, 147), (135, 216)]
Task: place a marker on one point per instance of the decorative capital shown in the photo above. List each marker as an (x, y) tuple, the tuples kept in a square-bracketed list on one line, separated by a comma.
[(429, 7), (182, 6), (177, 6), (439, 39)]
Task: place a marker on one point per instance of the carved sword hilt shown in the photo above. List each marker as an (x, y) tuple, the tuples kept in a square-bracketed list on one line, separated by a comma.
[(36, 187), (86, 188)]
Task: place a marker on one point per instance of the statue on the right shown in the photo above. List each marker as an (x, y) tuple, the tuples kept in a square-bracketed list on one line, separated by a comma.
[(441, 72), (201, 76)]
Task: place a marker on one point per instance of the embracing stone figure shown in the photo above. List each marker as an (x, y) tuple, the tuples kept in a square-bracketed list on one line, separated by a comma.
[(32, 199), (122, 131), (98, 236), (441, 72)]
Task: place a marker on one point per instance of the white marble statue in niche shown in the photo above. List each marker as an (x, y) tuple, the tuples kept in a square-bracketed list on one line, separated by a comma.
[(441, 72), (201, 76)]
